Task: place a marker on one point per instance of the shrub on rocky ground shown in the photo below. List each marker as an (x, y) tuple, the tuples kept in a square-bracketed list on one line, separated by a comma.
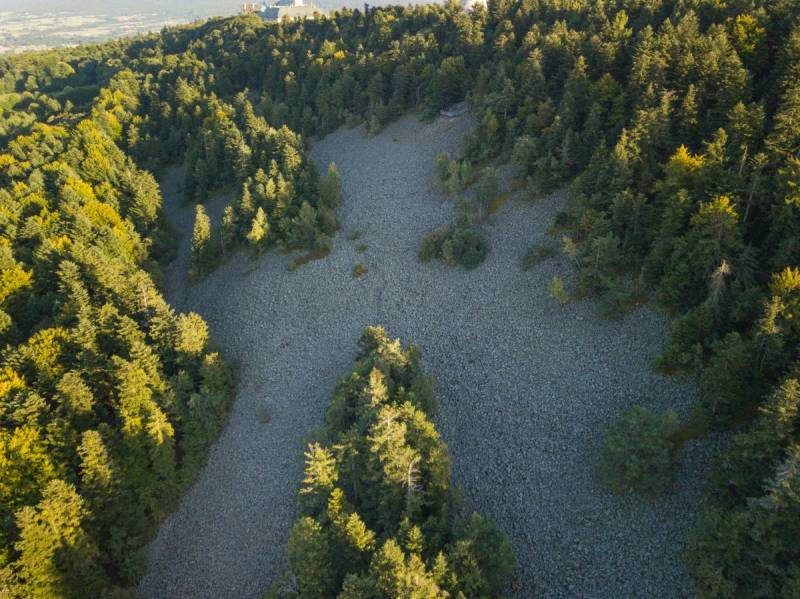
[(639, 452), (558, 291), (535, 255), (462, 245)]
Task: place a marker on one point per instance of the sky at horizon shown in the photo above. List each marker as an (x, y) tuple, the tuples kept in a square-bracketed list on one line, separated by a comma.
[(206, 8)]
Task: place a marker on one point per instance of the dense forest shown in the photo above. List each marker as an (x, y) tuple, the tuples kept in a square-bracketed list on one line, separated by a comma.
[(110, 399), (675, 124)]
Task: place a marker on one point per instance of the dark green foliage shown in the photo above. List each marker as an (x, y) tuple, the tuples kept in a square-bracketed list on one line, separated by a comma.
[(479, 540), (281, 201), (454, 176), (727, 382), (309, 554), (454, 246), (376, 506), (487, 189), (462, 245), (746, 545), (450, 83), (228, 229), (331, 188), (684, 351), (432, 243), (468, 248), (535, 255), (443, 168), (639, 453)]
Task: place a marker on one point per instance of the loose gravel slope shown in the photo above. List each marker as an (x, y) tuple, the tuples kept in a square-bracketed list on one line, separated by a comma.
[(526, 387)]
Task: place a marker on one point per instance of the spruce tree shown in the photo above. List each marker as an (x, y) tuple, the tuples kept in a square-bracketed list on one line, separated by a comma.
[(97, 468), (202, 249), (228, 229), (57, 558), (331, 188), (308, 557), (246, 207), (259, 229)]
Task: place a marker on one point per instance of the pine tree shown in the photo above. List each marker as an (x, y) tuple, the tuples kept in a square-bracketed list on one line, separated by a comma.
[(688, 117), (201, 178), (304, 227), (161, 434), (146, 200), (27, 466), (442, 168), (284, 196)]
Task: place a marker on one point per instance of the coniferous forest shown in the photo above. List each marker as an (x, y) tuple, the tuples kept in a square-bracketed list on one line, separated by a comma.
[(376, 500), (675, 126)]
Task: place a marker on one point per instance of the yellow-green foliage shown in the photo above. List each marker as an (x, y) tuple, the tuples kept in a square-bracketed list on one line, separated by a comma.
[(109, 399)]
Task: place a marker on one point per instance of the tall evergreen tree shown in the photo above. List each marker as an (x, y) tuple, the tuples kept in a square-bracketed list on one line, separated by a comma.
[(202, 244)]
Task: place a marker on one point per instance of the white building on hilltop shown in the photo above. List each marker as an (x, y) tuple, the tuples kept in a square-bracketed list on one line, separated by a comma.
[(281, 9), (470, 4)]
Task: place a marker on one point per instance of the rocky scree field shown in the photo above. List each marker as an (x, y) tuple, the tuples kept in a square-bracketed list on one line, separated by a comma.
[(526, 387)]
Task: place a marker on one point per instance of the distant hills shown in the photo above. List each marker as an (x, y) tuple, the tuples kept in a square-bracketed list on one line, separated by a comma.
[(39, 24)]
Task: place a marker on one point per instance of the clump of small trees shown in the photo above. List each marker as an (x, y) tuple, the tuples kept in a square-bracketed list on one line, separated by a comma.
[(454, 176), (460, 244), (455, 245), (639, 452), (263, 218)]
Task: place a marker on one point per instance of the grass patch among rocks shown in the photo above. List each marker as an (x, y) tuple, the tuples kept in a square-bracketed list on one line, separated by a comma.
[(535, 255), (297, 262)]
